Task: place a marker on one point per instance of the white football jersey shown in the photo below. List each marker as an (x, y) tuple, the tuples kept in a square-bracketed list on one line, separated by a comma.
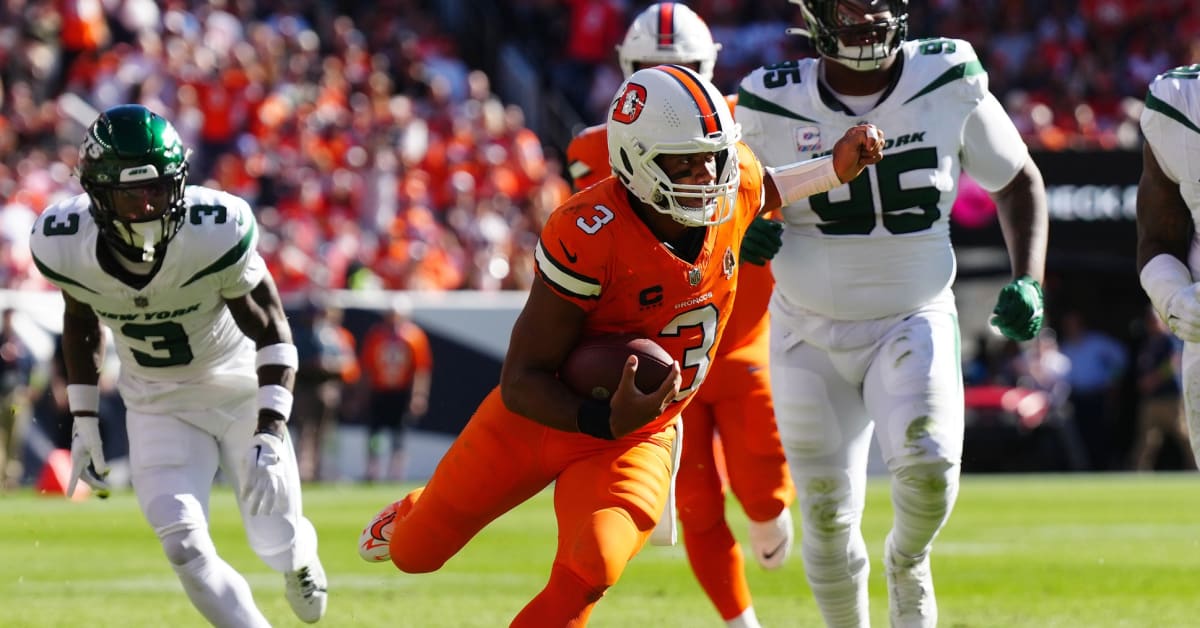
[(1171, 123), (879, 245), (176, 327)]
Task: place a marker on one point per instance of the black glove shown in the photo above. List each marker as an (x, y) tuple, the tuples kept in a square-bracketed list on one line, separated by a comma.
[(763, 240)]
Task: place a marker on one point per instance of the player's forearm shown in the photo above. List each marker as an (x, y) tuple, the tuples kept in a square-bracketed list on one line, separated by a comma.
[(792, 182), (542, 398), (83, 349), (1164, 223), (260, 316), (1025, 222)]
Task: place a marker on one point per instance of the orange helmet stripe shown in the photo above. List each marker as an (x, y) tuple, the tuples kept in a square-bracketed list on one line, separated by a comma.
[(666, 25), (708, 111)]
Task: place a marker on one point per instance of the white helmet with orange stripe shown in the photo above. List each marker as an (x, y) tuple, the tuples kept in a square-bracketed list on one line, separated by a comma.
[(671, 110), (668, 32)]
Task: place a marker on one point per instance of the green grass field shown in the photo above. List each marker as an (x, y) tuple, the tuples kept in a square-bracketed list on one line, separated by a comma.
[(1020, 551)]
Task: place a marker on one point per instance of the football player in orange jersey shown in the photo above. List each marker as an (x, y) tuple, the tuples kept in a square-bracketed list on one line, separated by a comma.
[(650, 252), (736, 406)]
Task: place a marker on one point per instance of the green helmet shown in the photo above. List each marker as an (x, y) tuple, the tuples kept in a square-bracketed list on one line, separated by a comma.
[(131, 152)]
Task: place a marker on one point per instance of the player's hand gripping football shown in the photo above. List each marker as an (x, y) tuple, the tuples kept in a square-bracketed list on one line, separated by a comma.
[(265, 490), (631, 409), (87, 456), (861, 146)]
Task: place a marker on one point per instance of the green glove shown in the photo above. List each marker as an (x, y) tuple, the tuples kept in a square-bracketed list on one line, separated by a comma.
[(762, 241), (1019, 310)]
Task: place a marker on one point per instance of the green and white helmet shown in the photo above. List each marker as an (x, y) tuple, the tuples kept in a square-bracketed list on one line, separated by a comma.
[(130, 151)]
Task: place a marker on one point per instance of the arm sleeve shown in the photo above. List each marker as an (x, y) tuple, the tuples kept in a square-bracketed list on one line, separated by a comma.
[(993, 151)]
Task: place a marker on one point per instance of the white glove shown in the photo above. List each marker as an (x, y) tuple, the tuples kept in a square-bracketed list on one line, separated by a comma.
[(265, 491), (1175, 296), (1182, 313), (86, 447)]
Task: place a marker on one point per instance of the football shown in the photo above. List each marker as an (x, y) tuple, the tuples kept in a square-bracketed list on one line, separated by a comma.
[(593, 368)]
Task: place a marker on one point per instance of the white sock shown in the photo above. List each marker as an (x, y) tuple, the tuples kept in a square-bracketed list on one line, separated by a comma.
[(746, 620), (220, 593), (836, 563), (843, 601)]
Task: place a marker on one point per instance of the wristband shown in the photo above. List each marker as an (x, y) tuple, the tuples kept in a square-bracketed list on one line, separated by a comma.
[(801, 180), (280, 353), (593, 419), (275, 398), (83, 399), (1162, 277)]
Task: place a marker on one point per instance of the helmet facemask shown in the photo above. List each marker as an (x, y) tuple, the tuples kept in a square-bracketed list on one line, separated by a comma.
[(692, 205), (840, 30), (139, 240), (134, 168)]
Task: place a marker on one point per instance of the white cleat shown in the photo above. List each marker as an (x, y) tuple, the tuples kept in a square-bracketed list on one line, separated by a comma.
[(307, 592), (911, 602), (772, 540), (373, 542)]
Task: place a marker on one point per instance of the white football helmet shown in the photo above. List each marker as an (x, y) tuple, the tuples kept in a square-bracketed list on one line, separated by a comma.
[(668, 32), (669, 109)]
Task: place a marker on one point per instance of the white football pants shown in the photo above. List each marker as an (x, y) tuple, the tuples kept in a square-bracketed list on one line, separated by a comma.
[(834, 383), (174, 460)]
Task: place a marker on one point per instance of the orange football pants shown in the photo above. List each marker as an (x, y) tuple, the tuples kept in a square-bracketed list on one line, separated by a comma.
[(608, 496), (734, 403)]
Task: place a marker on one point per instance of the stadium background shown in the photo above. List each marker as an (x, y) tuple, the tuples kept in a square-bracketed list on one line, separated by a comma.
[(416, 145)]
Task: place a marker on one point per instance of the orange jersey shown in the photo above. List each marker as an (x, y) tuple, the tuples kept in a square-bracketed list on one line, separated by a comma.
[(597, 253), (391, 358), (587, 154), (749, 320), (587, 163)]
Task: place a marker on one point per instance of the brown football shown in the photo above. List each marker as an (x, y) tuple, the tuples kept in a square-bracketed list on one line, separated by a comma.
[(593, 368)]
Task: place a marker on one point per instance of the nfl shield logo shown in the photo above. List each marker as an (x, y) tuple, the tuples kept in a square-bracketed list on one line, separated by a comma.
[(694, 276), (141, 301)]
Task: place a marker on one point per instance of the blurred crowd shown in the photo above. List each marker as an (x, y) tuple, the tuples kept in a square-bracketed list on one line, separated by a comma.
[(373, 155), (1109, 405), (376, 157)]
